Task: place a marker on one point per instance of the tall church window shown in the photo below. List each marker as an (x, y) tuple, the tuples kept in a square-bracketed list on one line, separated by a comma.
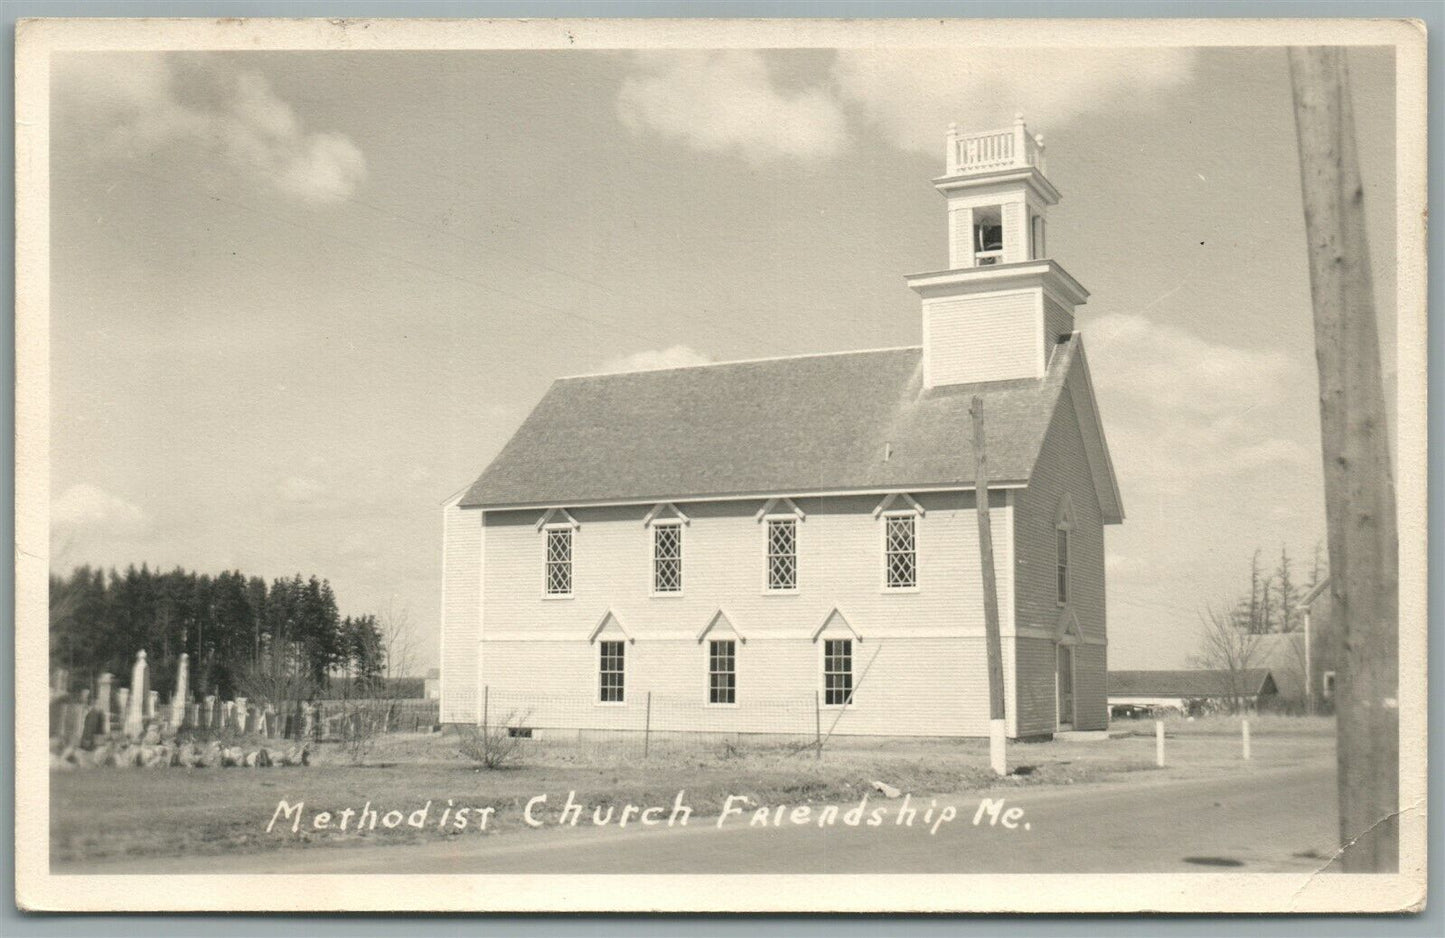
[(838, 672), (900, 551), (782, 553), (559, 562), (612, 668), (722, 672), (1061, 550), (666, 557)]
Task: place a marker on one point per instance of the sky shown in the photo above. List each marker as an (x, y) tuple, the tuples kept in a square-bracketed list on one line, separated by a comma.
[(299, 299)]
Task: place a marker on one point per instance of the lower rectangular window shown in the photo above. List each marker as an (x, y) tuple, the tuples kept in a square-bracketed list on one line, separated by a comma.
[(838, 672), (722, 674), (612, 671)]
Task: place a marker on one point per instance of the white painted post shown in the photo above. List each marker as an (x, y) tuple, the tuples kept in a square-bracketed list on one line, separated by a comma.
[(1244, 726), (997, 750), (1159, 743)]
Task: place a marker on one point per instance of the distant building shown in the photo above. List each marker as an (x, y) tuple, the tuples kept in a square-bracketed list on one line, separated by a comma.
[(1188, 690), (432, 686), (724, 545)]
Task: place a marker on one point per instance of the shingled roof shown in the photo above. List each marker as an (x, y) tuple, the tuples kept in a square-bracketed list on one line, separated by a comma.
[(858, 421), (1195, 683)]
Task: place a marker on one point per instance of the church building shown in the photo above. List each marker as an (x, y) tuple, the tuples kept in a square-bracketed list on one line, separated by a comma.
[(756, 546)]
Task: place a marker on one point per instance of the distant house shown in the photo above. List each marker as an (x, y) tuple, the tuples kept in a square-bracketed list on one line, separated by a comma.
[(432, 687), (1303, 661), (1188, 690)]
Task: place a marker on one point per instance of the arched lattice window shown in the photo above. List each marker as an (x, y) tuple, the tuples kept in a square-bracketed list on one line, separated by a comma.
[(1063, 550)]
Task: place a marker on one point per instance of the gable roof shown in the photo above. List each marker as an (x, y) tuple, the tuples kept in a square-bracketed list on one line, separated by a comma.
[(856, 421), (1196, 683)]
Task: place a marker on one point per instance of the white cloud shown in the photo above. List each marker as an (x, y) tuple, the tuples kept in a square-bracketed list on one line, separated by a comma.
[(87, 510), (678, 356), (1180, 408), (727, 101), (236, 117), (913, 95)]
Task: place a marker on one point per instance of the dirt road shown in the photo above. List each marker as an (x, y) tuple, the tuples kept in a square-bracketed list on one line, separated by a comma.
[(1255, 820)]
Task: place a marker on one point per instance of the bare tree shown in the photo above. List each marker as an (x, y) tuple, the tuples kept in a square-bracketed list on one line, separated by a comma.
[(1227, 647), (1289, 592), (399, 639), (276, 675), (368, 711)]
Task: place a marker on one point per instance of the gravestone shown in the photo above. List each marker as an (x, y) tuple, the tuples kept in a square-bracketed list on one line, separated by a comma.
[(240, 714), (122, 706), (59, 683), (103, 701), (91, 729), (179, 699), (134, 720), (71, 717), (208, 711)]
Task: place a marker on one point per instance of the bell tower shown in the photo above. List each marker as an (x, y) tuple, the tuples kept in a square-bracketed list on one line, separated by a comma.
[(998, 311)]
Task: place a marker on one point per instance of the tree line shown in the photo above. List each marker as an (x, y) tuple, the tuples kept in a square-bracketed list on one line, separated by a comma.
[(282, 640)]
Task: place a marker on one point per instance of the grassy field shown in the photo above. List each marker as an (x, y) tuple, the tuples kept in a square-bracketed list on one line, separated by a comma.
[(103, 813)]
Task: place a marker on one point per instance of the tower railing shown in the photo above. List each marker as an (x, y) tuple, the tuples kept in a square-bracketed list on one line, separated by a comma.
[(983, 151)]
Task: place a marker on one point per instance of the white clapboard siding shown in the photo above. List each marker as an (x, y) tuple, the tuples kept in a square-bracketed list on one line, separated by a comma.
[(1091, 669), (1015, 232), (983, 337), (1062, 469), (904, 687), (1058, 321), (1036, 701), (840, 565), (461, 612), (960, 237), (928, 675)]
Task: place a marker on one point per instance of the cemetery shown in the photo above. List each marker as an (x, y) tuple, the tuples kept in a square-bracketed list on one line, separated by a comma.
[(131, 727)]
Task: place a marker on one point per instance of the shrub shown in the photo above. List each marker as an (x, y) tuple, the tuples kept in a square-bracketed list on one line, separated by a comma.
[(495, 745)]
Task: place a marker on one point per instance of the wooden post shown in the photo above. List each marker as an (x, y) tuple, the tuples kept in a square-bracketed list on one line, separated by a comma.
[(1244, 737), (647, 727), (997, 755), (817, 727), (1159, 743), (1359, 486)]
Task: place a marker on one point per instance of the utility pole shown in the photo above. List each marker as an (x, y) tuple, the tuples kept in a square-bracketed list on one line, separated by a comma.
[(1359, 486), (997, 756)]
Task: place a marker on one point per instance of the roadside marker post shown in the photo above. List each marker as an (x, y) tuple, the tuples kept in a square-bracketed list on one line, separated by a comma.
[(1244, 735), (1159, 743), (817, 727)]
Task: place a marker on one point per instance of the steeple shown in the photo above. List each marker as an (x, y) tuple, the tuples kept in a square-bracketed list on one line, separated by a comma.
[(1000, 307)]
